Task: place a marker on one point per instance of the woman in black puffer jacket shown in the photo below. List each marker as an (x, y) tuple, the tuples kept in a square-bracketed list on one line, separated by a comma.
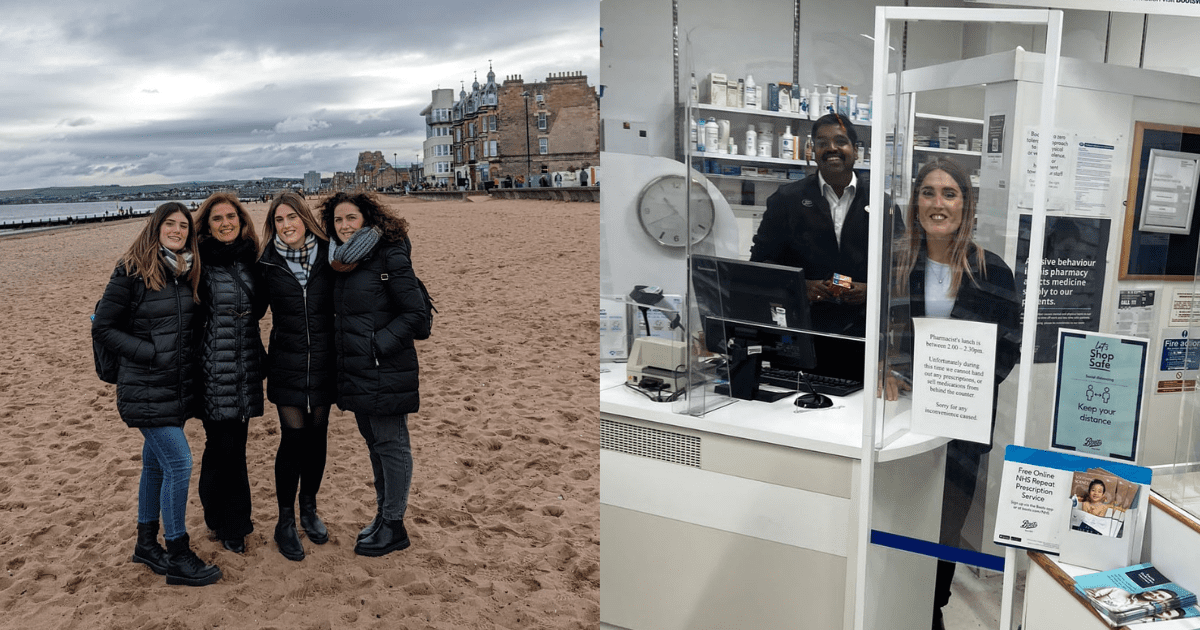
[(380, 310), (231, 363), (148, 316), (301, 376)]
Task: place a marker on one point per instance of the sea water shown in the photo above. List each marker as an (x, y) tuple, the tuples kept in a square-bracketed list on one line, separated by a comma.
[(38, 211)]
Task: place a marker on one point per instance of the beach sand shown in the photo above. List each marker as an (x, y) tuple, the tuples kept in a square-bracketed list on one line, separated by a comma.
[(504, 508)]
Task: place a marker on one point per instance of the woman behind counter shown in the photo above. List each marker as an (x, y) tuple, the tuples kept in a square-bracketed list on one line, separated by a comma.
[(301, 364), (146, 317), (943, 273), (380, 309), (231, 362)]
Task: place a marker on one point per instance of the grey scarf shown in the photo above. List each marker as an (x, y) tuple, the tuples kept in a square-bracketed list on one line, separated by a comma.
[(346, 256)]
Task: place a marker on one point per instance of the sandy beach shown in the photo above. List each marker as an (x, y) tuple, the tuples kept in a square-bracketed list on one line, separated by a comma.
[(504, 509)]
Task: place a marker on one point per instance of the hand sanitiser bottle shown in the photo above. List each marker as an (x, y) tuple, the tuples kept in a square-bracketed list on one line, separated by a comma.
[(693, 135), (787, 149), (700, 136), (814, 103), (751, 140)]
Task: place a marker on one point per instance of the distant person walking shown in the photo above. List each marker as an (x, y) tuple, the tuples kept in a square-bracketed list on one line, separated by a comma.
[(379, 311), (147, 317), (231, 363), (301, 364)]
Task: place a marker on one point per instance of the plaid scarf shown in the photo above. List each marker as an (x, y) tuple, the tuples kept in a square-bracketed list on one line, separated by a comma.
[(345, 257), (300, 261), (179, 262)]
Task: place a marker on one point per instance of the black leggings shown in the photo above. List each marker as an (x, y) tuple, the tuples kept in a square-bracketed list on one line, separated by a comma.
[(300, 461)]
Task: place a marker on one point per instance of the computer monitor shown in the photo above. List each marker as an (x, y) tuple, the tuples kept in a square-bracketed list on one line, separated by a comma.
[(753, 312)]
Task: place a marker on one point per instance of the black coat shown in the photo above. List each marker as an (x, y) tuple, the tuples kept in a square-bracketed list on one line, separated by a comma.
[(155, 343), (797, 231), (231, 350), (301, 363), (379, 310), (991, 298)]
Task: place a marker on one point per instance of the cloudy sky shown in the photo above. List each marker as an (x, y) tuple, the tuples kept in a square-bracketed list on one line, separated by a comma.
[(138, 92)]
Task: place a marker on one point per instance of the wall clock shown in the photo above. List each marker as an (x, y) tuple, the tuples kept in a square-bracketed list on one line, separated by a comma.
[(663, 214)]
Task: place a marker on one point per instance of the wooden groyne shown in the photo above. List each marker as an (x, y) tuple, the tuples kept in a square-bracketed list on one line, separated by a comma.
[(79, 219)]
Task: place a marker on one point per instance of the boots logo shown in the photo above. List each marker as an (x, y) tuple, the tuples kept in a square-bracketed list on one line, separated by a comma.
[(1027, 524), (1093, 443)]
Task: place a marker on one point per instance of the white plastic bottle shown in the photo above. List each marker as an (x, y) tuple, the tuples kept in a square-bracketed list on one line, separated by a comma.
[(693, 135), (766, 141), (700, 137), (751, 93), (787, 147), (814, 103), (711, 133), (828, 100), (751, 140)]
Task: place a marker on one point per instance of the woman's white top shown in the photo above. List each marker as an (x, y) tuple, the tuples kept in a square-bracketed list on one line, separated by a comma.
[(938, 301)]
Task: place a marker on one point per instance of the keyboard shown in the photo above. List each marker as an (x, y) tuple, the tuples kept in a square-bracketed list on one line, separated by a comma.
[(792, 380)]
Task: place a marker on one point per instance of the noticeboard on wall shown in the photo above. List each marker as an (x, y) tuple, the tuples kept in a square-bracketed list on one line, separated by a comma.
[(1161, 155)]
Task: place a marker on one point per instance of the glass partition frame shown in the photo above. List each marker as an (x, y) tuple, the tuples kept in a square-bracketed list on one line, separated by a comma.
[(896, 117)]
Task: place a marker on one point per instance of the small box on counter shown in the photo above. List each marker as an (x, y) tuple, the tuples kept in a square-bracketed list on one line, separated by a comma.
[(752, 171), (731, 169), (796, 173)]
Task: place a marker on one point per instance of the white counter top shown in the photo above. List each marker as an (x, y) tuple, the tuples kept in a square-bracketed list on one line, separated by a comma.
[(836, 430)]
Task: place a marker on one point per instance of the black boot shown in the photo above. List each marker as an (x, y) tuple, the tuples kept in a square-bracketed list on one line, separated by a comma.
[(185, 567), (390, 536), (372, 526), (313, 527), (286, 536), (148, 551)]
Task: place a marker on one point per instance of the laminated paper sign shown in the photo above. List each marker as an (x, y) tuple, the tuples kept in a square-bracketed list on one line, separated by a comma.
[(1098, 402), (954, 371)]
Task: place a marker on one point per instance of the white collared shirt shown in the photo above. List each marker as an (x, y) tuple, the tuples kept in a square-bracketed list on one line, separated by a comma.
[(839, 207)]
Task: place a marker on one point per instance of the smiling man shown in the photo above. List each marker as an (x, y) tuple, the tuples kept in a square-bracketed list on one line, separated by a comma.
[(820, 224)]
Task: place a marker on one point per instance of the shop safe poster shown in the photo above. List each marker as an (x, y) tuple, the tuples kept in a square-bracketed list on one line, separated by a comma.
[(1098, 400)]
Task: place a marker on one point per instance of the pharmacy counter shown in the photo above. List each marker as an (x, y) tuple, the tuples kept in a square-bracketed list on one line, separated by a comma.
[(748, 516)]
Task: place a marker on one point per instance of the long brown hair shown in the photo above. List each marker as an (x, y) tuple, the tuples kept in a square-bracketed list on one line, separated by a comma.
[(394, 228), (203, 232), (962, 247), (144, 257), (289, 198)]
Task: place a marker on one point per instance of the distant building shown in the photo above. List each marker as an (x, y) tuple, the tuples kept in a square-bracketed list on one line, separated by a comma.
[(481, 137), (436, 148), (312, 181)]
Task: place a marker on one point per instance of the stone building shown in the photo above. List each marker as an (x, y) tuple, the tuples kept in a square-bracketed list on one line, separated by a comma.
[(511, 130), (370, 174), (563, 121)]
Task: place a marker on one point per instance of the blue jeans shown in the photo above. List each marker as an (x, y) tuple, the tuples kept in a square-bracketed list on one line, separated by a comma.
[(166, 471), (391, 461)]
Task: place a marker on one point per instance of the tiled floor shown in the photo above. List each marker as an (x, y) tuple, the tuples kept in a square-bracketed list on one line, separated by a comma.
[(975, 599)]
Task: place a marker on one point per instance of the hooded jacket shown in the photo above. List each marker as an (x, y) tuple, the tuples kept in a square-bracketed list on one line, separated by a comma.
[(153, 333), (379, 309)]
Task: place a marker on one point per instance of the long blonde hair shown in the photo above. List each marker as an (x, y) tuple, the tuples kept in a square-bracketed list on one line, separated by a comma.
[(144, 257), (912, 245)]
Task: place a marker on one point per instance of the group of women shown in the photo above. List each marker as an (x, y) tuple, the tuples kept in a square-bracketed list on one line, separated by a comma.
[(182, 311)]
